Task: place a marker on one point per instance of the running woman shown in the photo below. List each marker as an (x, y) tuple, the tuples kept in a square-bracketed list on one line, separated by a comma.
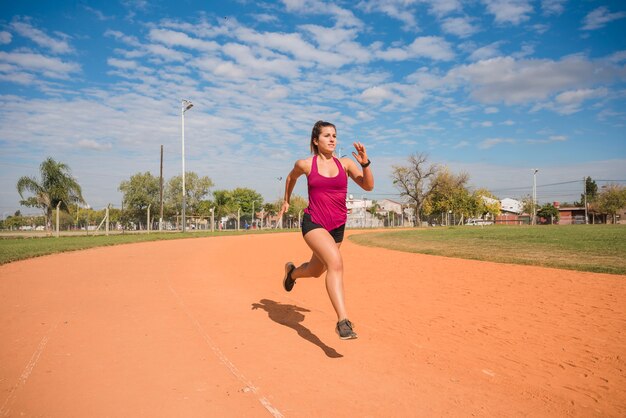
[(325, 218)]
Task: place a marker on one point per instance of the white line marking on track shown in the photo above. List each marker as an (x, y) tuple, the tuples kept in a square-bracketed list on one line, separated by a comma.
[(8, 402), (225, 361)]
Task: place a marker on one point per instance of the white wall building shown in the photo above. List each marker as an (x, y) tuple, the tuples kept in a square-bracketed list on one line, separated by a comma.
[(398, 214), (511, 206), (358, 215)]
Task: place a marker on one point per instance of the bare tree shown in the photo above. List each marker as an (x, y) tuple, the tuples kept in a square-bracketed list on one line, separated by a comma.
[(416, 181)]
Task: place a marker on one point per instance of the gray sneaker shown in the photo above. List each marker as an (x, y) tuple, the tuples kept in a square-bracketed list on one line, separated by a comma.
[(288, 282), (344, 329)]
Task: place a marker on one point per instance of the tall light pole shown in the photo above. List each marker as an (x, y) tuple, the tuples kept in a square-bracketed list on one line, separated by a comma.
[(185, 106), (535, 170)]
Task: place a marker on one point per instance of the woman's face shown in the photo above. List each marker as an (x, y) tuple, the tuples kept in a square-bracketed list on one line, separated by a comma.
[(327, 141)]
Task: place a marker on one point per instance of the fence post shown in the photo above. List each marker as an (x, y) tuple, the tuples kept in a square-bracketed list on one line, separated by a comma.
[(106, 222), (57, 233)]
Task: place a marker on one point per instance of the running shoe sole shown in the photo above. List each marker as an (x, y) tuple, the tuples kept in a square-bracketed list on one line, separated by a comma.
[(288, 282)]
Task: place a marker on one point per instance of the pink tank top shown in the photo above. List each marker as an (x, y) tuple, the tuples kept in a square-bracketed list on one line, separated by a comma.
[(327, 197)]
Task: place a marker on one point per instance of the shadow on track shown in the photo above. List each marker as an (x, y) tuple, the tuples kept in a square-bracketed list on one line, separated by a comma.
[(291, 316)]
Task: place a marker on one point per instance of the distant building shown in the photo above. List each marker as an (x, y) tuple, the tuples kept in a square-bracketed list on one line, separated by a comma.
[(508, 205), (359, 215)]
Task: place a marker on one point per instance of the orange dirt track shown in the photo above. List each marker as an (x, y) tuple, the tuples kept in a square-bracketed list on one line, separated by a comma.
[(202, 328)]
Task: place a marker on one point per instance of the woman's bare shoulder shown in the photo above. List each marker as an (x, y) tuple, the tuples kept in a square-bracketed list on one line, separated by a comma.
[(347, 163), (304, 165)]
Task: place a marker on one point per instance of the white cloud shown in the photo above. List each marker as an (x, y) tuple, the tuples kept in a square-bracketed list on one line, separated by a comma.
[(174, 38), (128, 40), (122, 64), (599, 17), (558, 138), (57, 46), (571, 101), (432, 47), (265, 18), (444, 7), (50, 67), (343, 17), (553, 7), (260, 66), (5, 37), (17, 77), (297, 47), (461, 144), (168, 54), (492, 142), (486, 124), (99, 15), (396, 9), (376, 94), (617, 57), (509, 11), (488, 51), (459, 26), (491, 110), (513, 82), (93, 145)]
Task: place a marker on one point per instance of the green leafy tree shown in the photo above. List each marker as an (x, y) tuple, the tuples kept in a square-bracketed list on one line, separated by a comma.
[(450, 194), (483, 202), (527, 204), (612, 199), (196, 189), (139, 192), (416, 181), (56, 185), (245, 199), (591, 190), (15, 222), (225, 205), (549, 212), (297, 204)]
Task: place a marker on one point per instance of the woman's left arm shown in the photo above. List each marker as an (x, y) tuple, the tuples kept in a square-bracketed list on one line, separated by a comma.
[(364, 176)]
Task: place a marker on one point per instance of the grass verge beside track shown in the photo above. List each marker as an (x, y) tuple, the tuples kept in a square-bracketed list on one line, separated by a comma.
[(593, 248), (20, 248)]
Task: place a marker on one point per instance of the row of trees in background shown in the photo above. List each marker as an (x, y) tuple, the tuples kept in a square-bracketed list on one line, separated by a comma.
[(430, 188), (56, 187), (434, 191)]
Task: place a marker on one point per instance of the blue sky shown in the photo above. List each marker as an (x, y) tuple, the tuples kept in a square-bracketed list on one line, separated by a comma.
[(493, 88)]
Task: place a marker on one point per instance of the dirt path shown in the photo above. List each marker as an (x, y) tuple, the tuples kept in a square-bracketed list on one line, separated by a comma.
[(202, 327)]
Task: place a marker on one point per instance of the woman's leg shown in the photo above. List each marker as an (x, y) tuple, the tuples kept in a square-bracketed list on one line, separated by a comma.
[(312, 268), (325, 253)]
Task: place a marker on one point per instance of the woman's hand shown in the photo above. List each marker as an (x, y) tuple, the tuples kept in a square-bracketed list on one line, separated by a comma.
[(284, 208), (361, 154)]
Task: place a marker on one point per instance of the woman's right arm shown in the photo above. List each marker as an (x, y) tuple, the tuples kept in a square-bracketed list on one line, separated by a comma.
[(299, 169)]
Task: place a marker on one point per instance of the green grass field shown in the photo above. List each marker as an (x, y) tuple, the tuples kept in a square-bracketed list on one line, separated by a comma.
[(19, 248), (594, 248)]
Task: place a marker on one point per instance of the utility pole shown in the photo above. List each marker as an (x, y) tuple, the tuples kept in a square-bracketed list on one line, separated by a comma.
[(161, 192), (585, 194)]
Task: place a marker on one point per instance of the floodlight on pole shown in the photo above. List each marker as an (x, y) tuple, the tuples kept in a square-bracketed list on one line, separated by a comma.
[(185, 106)]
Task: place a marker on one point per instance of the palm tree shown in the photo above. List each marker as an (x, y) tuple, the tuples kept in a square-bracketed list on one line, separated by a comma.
[(56, 185)]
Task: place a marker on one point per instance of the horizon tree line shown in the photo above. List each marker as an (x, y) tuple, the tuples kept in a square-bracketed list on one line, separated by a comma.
[(431, 189)]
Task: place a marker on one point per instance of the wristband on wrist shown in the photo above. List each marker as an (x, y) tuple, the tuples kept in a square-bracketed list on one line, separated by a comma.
[(366, 164)]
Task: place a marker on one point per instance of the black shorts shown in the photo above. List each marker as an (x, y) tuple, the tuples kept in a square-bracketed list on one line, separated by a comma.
[(308, 225)]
